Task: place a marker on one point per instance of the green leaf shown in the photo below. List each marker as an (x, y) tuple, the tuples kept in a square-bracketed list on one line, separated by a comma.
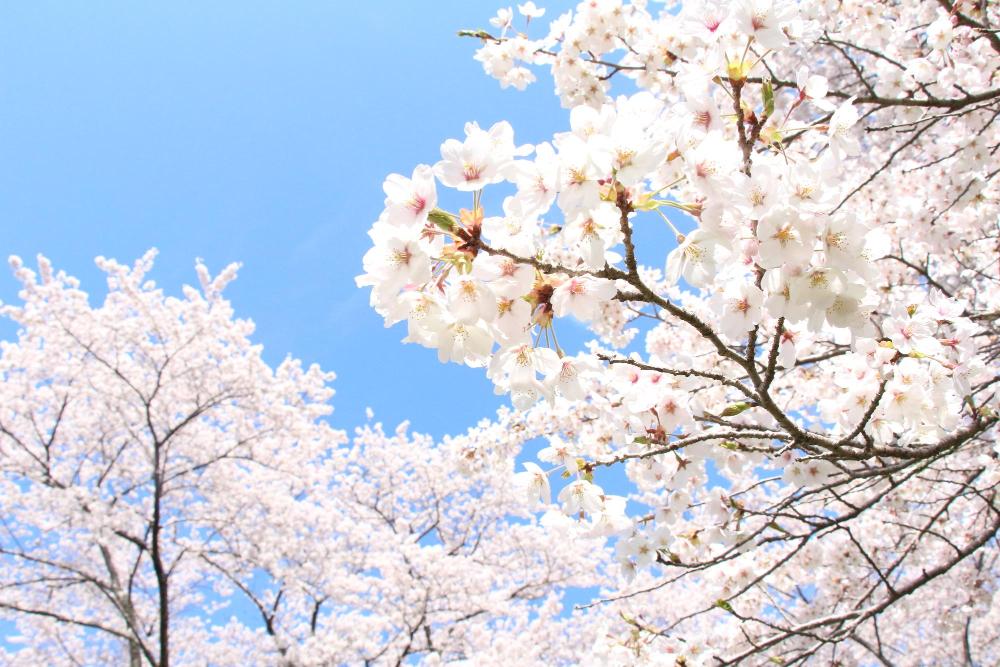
[(771, 135), (480, 34), (646, 202), (643, 440), (774, 524), (442, 219), (768, 92), (724, 604), (461, 261), (736, 408)]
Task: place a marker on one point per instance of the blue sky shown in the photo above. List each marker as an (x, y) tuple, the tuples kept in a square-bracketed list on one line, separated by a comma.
[(257, 132)]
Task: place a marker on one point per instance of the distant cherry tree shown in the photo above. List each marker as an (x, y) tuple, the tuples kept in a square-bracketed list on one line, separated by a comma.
[(167, 497)]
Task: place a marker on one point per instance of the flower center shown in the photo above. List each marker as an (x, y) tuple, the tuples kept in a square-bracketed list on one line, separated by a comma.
[(471, 172), (416, 204)]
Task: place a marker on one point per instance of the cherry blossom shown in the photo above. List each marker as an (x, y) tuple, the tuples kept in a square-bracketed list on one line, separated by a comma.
[(169, 497), (802, 387)]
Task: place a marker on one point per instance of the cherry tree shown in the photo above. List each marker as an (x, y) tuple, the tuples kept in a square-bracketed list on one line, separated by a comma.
[(801, 390), (168, 497)]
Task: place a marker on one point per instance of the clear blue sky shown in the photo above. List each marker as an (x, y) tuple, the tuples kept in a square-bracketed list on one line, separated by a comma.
[(257, 132)]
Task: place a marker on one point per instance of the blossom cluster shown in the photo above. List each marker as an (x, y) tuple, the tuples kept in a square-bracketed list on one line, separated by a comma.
[(767, 246), (828, 310)]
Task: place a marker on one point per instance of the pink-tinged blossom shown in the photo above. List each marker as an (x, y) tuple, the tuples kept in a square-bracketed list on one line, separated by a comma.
[(910, 334), (808, 472), (581, 497), (759, 193), (672, 412), (463, 343), (785, 239), (533, 484), (813, 87), (517, 230), (396, 262), (581, 166), (568, 379), (778, 287), (522, 364), (537, 180), (741, 310), (594, 232), (483, 158), (707, 20), (468, 165), (530, 11), (610, 519), (763, 20), (710, 165), (503, 19), (512, 320), (424, 314), (469, 300), (697, 258), (559, 453), (940, 33), (409, 200), (581, 297), (505, 276), (841, 135), (704, 116)]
